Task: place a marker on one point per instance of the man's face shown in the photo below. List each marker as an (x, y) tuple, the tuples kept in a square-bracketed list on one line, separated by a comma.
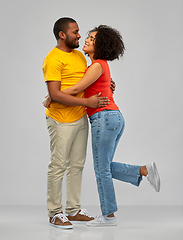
[(72, 36)]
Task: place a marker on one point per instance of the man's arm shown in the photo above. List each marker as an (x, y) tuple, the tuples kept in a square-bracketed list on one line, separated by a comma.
[(113, 86), (60, 97)]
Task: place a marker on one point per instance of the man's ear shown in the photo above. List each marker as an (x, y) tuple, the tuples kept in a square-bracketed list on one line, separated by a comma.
[(62, 35)]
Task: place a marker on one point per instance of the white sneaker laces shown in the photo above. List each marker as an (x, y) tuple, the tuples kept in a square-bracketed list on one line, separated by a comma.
[(61, 216), (98, 219), (84, 212)]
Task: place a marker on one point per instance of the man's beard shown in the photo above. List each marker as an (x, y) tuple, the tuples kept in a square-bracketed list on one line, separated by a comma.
[(70, 43)]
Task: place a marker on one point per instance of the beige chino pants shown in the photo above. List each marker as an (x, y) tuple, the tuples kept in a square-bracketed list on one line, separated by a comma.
[(68, 142)]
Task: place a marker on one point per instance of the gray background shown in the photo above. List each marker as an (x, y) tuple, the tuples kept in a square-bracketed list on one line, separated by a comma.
[(149, 94)]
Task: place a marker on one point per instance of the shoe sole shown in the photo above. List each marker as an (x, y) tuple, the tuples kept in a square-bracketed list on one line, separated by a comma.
[(79, 222), (102, 225), (157, 178), (63, 227)]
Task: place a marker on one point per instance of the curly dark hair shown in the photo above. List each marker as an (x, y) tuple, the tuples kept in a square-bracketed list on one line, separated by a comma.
[(108, 43)]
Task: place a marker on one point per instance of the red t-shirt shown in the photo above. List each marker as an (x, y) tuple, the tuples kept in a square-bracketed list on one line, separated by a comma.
[(102, 84)]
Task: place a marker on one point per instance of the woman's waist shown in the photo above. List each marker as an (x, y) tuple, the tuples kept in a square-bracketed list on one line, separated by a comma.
[(112, 107), (102, 113)]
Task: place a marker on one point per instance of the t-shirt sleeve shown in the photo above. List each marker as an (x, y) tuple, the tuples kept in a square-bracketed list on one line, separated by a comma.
[(52, 69)]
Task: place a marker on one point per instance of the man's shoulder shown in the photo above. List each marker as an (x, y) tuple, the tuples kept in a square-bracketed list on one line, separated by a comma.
[(61, 58), (52, 61), (49, 55), (54, 56)]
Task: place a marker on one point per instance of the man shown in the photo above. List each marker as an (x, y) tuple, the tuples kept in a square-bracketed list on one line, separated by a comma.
[(67, 124)]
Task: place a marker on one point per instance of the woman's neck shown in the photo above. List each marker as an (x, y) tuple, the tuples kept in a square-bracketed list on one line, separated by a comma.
[(91, 57)]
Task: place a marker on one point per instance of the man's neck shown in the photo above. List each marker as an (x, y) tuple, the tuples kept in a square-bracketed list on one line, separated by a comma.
[(64, 48)]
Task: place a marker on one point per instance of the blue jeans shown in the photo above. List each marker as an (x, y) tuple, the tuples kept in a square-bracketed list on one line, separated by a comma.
[(107, 127)]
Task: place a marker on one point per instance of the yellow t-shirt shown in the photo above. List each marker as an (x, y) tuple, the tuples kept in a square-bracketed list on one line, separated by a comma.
[(68, 68)]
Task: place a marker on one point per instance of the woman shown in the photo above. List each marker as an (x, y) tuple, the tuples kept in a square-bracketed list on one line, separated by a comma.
[(107, 124)]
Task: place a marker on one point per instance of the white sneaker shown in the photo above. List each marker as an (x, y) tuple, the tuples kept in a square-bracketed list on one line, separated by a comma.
[(153, 176), (102, 221)]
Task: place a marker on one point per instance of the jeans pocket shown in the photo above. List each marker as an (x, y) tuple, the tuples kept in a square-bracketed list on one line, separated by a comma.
[(94, 119), (94, 123), (112, 121)]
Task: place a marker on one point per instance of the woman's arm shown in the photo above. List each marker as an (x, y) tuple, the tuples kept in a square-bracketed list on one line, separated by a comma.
[(92, 74)]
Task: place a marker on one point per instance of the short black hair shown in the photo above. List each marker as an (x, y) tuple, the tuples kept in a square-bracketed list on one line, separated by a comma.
[(62, 25), (109, 43)]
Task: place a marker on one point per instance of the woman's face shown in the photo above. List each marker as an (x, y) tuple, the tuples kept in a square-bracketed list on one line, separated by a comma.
[(89, 46)]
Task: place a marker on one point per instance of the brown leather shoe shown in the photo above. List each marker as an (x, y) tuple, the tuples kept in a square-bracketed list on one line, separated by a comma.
[(81, 217), (59, 220)]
